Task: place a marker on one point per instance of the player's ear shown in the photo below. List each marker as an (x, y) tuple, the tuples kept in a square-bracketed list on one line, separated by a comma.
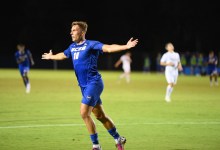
[(83, 33)]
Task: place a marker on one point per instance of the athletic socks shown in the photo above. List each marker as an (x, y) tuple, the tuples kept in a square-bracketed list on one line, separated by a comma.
[(169, 90), (113, 132), (128, 78), (94, 139)]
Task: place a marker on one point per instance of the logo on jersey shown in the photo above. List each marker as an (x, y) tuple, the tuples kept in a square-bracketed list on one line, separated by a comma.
[(76, 49)]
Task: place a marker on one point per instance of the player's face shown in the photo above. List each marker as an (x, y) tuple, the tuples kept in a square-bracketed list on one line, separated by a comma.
[(77, 34), (129, 54), (170, 47), (211, 54), (20, 48)]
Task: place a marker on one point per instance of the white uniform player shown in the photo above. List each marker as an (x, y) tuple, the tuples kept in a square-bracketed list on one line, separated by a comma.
[(171, 61), (125, 60)]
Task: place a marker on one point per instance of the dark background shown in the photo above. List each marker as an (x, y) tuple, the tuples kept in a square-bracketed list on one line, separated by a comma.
[(192, 26)]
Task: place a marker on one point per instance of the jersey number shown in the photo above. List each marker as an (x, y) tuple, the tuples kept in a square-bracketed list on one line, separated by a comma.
[(76, 55)]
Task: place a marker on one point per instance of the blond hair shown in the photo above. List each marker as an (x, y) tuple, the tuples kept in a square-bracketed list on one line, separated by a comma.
[(83, 25)]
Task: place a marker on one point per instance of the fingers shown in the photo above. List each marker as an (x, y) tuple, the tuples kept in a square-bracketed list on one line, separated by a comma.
[(44, 56)]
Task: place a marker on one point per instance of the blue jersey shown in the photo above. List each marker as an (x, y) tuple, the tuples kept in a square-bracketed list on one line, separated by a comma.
[(212, 62), (85, 57), (23, 58)]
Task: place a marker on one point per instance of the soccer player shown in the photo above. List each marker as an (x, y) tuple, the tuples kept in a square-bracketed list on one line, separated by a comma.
[(171, 61), (125, 60), (24, 58), (212, 62), (84, 54)]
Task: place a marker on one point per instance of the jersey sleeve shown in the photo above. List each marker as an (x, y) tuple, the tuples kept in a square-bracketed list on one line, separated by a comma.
[(97, 46), (163, 58), (122, 58), (178, 58), (67, 52), (16, 56), (28, 53)]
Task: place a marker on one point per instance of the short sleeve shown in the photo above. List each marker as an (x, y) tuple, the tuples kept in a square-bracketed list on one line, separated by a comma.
[(178, 57), (67, 52), (163, 58), (28, 52), (97, 46), (16, 56), (122, 58)]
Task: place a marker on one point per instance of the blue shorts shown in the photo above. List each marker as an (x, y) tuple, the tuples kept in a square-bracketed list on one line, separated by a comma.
[(24, 69), (212, 71), (91, 93)]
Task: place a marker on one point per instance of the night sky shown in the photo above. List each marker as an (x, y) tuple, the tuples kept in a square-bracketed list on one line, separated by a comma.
[(192, 26)]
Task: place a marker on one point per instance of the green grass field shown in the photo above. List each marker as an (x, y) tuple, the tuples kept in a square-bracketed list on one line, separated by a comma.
[(48, 118)]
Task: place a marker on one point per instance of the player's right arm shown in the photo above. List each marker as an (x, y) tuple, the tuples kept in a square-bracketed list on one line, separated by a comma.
[(50, 56), (19, 59), (118, 63), (164, 62)]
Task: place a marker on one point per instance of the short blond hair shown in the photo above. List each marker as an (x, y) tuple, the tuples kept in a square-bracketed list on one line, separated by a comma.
[(82, 24)]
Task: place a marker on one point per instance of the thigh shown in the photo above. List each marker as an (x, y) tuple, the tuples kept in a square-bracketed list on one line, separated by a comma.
[(127, 69), (175, 77), (24, 70), (169, 77), (85, 110)]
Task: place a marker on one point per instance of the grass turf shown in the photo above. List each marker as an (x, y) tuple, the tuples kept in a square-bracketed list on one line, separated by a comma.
[(48, 118)]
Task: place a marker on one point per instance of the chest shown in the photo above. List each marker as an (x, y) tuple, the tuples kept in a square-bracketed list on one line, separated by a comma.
[(22, 55), (82, 53), (172, 57), (212, 59)]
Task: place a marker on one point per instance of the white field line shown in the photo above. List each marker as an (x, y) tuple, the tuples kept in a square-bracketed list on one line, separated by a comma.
[(129, 124)]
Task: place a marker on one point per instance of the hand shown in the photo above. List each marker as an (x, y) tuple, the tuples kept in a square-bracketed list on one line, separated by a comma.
[(180, 68), (47, 55), (170, 64), (32, 63), (132, 43)]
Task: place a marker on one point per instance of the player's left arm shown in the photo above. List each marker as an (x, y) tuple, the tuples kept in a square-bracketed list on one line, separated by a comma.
[(216, 62), (118, 63), (179, 65), (31, 58), (180, 68), (116, 47)]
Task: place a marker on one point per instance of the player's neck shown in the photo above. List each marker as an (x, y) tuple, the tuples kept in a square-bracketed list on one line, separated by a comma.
[(81, 42), (21, 51), (171, 51)]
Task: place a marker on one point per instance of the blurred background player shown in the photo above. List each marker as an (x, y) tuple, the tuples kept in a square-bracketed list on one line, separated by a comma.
[(125, 60), (24, 58), (212, 70), (171, 61), (147, 64)]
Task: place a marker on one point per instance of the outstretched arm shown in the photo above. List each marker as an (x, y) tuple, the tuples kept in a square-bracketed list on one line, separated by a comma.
[(58, 56), (20, 60), (115, 47), (118, 63)]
